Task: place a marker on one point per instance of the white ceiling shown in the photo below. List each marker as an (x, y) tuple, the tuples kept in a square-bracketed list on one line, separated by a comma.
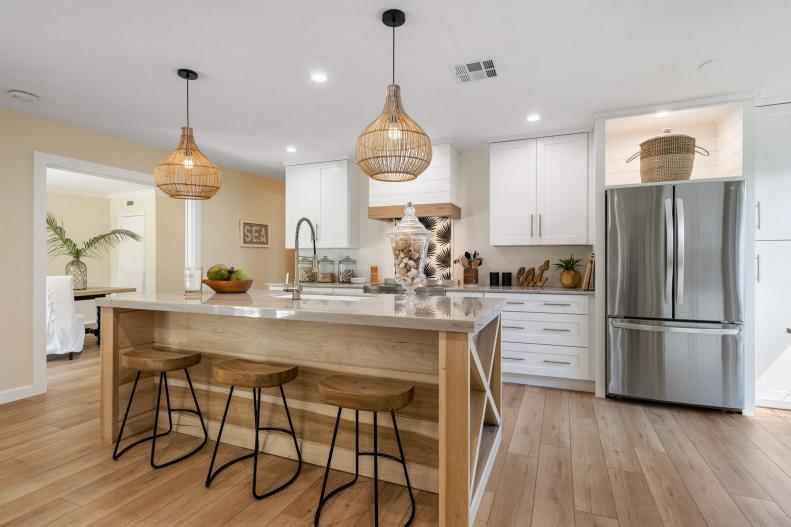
[(110, 66), (705, 114), (67, 182)]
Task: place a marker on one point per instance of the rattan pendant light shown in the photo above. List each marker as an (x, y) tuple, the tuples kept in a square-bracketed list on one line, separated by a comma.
[(393, 147), (186, 173)]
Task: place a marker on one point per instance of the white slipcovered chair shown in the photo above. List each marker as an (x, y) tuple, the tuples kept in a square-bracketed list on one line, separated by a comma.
[(65, 327)]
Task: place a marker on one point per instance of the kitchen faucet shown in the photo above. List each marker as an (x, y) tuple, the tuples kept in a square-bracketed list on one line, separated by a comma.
[(296, 288)]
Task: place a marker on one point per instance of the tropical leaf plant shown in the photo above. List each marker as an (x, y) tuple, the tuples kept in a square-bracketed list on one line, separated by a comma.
[(59, 244), (567, 264)]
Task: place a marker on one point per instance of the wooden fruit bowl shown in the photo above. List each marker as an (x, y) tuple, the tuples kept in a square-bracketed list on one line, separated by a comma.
[(229, 286)]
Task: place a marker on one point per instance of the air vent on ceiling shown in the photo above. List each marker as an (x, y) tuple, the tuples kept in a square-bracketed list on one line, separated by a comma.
[(475, 70)]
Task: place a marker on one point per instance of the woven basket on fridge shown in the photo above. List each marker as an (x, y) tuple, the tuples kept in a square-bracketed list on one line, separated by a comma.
[(668, 157)]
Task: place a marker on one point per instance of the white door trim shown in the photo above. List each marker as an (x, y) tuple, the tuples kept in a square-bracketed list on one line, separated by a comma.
[(41, 161)]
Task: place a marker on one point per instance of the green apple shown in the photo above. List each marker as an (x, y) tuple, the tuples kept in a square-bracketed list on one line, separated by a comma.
[(218, 272), (240, 275)]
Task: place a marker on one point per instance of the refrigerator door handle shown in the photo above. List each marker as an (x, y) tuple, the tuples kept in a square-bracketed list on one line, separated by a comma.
[(681, 250), (669, 256), (676, 329)]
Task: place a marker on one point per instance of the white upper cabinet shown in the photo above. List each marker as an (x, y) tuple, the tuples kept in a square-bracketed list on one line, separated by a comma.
[(773, 173), (562, 189), (326, 194), (539, 191)]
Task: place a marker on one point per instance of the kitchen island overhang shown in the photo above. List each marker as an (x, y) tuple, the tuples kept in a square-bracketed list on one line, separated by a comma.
[(448, 347)]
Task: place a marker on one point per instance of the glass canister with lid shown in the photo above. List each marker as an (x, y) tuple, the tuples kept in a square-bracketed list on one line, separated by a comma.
[(347, 269), (409, 241), (326, 274), (307, 271)]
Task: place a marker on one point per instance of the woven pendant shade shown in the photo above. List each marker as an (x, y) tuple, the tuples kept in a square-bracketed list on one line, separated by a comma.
[(393, 147), (186, 173)]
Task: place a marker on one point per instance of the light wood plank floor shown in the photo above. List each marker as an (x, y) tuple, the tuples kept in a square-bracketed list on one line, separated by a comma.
[(566, 459)]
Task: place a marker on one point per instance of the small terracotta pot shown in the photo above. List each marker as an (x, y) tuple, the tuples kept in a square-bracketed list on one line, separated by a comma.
[(570, 279), (471, 276)]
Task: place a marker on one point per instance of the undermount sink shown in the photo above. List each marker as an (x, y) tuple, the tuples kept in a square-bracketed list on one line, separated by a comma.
[(336, 298)]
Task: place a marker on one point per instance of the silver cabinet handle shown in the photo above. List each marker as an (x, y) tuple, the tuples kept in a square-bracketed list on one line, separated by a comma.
[(669, 256), (506, 357), (681, 251), (539, 224), (531, 225), (757, 267), (516, 303), (556, 362), (758, 215), (676, 329), (556, 330), (513, 327), (558, 304)]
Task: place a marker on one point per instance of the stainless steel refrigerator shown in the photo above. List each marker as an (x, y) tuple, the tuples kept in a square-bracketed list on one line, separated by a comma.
[(675, 298)]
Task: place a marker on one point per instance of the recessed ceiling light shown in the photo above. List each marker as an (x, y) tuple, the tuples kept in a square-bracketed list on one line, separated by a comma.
[(663, 113), (24, 96), (318, 76), (533, 117), (291, 149)]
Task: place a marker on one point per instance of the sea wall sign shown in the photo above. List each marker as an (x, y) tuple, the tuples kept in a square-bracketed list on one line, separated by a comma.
[(253, 234)]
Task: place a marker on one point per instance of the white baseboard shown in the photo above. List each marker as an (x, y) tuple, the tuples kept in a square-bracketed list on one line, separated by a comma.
[(768, 403), (549, 382), (22, 392)]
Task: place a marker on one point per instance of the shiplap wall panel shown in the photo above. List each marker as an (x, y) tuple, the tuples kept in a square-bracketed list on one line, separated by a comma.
[(723, 138), (438, 184)]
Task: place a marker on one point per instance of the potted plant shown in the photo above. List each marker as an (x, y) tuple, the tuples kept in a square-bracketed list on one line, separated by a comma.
[(61, 245), (569, 276), (470, 264)]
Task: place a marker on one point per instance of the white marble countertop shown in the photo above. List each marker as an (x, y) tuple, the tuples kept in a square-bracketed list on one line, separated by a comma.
[(435, 313)]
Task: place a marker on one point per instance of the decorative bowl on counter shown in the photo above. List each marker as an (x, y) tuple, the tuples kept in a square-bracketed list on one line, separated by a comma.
[(229, 286)]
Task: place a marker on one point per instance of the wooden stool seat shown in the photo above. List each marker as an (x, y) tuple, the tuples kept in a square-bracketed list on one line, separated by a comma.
[(254, 374), (158, 360), (365, 393)]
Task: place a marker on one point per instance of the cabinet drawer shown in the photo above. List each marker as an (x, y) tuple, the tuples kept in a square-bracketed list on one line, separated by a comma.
[(546, 364), (544, 328), (464, 294), (543, 303)]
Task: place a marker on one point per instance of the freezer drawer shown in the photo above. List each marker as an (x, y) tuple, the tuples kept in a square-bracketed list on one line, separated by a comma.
[(690, 363)]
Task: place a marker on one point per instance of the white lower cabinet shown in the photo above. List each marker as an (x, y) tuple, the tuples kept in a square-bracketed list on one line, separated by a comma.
[(546, 335)]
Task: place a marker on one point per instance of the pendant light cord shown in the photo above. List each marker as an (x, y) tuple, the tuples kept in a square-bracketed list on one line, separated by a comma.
[(188, 103), (393, 49)]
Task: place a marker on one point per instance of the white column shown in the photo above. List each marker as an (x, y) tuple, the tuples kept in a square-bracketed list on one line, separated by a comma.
[(192, 233)]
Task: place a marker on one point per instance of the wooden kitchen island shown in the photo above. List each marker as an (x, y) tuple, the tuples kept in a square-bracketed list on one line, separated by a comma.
[(448, 347)]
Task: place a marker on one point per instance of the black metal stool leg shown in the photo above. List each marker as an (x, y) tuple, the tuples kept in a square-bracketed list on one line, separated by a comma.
[(116, 454), (210, 476), (256, 444), (376, 455), (406, 473), (322, 498), (163, 379)]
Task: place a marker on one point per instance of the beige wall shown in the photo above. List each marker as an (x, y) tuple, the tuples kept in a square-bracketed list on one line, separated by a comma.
[(249, 198), (83, 217), (22, 134)]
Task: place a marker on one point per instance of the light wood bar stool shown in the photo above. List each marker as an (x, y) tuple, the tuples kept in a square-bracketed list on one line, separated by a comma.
[(255, 375), (160, 361), (370, 395)]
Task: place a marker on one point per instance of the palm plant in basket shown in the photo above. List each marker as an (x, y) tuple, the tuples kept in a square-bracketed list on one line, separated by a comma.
[(569, 276), (61, 245)]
